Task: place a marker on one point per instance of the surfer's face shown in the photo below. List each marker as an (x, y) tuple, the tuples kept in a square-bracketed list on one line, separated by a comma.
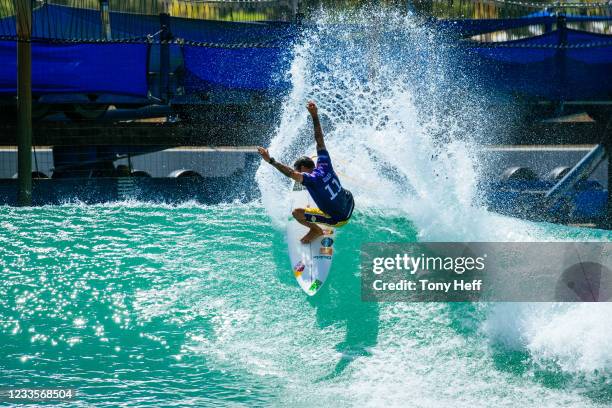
[(303, 169), (304, 164)]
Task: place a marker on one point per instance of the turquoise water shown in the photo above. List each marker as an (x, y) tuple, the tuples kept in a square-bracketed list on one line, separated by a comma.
[(139, 304)]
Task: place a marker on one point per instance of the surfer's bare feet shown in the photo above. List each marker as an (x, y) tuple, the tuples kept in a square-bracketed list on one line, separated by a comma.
[(314, 233)]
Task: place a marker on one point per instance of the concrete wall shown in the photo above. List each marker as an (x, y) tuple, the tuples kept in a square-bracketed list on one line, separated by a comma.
[(495, 160), (225, 162), (208, 162)]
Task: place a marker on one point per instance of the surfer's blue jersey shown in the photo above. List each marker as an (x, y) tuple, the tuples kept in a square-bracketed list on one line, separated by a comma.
[(326, 191)]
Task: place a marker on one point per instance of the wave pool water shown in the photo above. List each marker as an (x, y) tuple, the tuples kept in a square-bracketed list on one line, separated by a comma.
[(137, 304)]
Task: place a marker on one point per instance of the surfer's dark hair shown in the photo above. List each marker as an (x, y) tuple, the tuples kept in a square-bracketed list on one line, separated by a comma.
[(304, 161)]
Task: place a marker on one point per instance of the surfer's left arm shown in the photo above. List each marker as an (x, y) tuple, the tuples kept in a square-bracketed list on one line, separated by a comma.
[(286, 170)]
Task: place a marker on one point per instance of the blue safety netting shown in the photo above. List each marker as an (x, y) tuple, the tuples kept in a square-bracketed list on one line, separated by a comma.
[(113, 68), (563, 64)]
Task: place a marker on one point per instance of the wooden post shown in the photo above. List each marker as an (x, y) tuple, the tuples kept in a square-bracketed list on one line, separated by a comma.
[(105, 18), (295, 9), (24, 101)]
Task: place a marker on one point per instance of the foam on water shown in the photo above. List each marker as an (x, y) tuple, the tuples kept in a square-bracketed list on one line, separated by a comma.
[(575, 338), (400, 127)]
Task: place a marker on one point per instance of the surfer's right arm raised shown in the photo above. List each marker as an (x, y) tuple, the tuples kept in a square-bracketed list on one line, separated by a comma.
[(335, 204), (318, 131), (286, 170)]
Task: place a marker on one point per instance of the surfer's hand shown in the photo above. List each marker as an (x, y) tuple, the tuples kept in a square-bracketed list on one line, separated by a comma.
[(312, 108), (264, 154)]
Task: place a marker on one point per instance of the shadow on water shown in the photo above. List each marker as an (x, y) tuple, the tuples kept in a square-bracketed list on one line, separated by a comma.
[(338, 303)]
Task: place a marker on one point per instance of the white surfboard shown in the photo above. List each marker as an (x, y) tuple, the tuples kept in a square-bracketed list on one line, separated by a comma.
[(310, 262)]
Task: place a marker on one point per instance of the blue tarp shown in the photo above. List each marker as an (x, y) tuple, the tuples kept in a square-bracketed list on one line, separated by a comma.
[(121, 68), (535, 66), (62, 22), (222, 32), (79, 68), (126, 25), (471, 27), (59, 22), (68, 23), (210, 68), (561, 65)]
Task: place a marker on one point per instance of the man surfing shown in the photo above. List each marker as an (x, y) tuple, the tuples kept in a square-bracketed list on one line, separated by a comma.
[(335, 203)]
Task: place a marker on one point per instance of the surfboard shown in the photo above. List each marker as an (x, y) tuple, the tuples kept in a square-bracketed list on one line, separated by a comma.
[(310, 262)]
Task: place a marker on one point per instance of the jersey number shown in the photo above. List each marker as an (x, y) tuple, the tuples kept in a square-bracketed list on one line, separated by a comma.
[(333, 194)]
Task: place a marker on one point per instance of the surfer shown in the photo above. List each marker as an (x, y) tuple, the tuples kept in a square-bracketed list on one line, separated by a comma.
[(335, 202)]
